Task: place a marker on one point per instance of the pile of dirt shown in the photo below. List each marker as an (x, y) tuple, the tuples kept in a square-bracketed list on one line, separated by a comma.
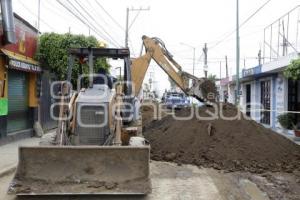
[(230, 145), (147, 114)]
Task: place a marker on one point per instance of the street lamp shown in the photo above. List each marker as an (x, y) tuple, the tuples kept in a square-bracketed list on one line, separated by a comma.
[(194, 52), (237, 95)]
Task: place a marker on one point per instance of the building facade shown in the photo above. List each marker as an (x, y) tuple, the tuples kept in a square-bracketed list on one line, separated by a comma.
[(19, 77), (265, 93)]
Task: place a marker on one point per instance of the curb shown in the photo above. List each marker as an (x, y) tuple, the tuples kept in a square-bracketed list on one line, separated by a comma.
[(7, 171)]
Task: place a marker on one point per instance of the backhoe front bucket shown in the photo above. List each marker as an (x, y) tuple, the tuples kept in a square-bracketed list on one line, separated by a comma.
[(80, 170)]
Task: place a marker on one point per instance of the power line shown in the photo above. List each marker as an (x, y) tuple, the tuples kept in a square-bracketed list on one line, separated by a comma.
[(115, 21), (127, 21), (30, 11), (242, 24), (97, 14), (87, 23), (97, 23), (79, 18), (117, 24), (251, 16), (54, 9), (132, 22), (90, 24)]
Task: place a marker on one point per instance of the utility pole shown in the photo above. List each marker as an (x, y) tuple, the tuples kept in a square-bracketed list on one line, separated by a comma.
[(194, 54), (226, 64), (237, 95), (227, 86), (220, 70), (259, 58), (151, 80), (126, 28), (39, 15), (127, 21), (205, 60)]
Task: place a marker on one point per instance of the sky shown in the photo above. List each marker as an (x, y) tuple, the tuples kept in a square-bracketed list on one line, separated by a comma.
[(176, 22)]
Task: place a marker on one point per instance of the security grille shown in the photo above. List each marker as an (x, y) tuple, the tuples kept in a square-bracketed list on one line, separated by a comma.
[(265, 101), (92, 124)]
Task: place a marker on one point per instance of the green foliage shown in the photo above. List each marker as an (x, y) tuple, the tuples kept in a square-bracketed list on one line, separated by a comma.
[(287, 120), (53, 54), (293, 70), (212, 77)]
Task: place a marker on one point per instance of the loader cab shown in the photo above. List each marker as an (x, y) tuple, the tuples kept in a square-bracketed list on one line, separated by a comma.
[(103, 78), (96, 91), (88, 56)]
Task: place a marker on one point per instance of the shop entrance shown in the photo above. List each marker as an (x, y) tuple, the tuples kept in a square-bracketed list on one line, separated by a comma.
[(18, 110)]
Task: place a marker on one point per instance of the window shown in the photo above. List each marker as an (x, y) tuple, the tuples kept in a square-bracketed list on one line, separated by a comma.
[(294, 97)]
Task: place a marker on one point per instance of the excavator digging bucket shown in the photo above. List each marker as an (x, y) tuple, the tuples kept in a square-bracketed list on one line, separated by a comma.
[(82, 170), (206, 91)]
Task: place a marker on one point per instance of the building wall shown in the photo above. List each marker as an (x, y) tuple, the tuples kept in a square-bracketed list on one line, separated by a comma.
[(278, 97), (272, 71), (223, 88), (231, 93), (3, 98), (253, 98), (18, 57)]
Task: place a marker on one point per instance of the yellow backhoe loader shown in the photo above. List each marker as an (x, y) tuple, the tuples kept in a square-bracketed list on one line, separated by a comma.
[(99, 147)]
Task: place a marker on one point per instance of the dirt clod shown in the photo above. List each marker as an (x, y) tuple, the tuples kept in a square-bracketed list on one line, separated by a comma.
[(170, 156), (110, 186)]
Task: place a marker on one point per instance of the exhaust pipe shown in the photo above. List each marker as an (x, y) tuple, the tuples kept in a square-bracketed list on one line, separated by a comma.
[(8, 21)]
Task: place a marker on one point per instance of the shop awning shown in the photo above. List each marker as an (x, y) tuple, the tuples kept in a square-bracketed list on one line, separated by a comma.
[(20, 62)]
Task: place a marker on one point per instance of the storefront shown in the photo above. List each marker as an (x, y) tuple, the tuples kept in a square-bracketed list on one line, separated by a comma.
[(19, 74)]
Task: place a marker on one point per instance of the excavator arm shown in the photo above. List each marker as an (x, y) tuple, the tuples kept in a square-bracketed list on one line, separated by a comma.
[(201, 88)]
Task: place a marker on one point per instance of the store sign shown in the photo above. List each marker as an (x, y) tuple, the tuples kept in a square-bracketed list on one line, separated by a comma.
[(26, 37), (251, 71), (19, 65)]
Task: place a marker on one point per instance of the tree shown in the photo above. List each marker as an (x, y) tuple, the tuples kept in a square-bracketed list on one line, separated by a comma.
[(53, 54), (293, 70), (212, 77)]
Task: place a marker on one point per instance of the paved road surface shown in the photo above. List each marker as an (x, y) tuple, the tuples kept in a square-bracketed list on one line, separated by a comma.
[(172, 182), (9, 153)]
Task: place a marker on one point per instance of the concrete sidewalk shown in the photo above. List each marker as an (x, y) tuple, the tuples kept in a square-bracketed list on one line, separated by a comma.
[(9, 154)]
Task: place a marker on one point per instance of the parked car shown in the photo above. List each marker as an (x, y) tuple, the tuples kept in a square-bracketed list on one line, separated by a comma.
[(175, 100)]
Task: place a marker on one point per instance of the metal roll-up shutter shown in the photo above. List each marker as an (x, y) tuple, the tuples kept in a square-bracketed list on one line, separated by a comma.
[(18, 110)]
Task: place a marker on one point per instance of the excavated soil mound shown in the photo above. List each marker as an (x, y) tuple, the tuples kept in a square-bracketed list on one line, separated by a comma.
[(147, 114), (230, 145)]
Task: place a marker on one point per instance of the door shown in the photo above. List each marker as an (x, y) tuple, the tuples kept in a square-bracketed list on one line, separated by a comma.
[(18, 110), (248, 100), (265, 101)]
